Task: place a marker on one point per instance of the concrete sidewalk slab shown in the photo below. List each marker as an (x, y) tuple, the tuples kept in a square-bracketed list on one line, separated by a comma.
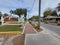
[(43, 38)]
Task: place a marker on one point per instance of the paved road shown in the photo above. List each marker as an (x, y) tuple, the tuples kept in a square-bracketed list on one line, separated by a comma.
[(53, 28)]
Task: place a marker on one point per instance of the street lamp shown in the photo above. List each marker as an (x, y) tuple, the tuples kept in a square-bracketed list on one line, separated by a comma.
[(39, 12)]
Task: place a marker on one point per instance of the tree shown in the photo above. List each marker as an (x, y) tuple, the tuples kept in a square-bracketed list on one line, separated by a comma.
[(24, 11), (19, 12), (58, 7), (0, 14), (54, 13), (5, 14), (11, 11), (34, 17), (47, 13)]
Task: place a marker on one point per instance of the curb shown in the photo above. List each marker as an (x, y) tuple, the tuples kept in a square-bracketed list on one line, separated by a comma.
[(34, 29), (24, 29), (10, 38), (10, 32), (26, 34)]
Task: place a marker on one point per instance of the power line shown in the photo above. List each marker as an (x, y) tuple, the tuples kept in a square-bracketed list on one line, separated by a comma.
[(21, 0), (32, 6)]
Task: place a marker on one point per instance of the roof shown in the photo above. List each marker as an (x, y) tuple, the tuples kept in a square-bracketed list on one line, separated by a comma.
[(52, 17)]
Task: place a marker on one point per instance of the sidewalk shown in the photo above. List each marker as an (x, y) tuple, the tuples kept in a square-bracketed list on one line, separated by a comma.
[(20, 40), (42, 38), (29, 29), (30, 37)]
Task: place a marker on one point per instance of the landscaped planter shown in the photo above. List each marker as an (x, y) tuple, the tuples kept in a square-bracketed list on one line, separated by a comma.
[(36, 27), (7, 31), (46, 22), (58, 23)]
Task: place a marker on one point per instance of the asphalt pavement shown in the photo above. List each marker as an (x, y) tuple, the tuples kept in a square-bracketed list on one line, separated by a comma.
[(44, 37), (53, 28)]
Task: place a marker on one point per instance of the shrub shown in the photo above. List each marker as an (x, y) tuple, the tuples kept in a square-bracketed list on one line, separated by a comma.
[(58, 23), (46, 22)]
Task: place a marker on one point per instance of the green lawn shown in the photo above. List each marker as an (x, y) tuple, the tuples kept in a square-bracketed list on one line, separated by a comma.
[(13, 22), (7, 28)]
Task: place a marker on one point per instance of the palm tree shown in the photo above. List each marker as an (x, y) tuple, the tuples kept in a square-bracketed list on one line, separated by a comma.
[(58, 7)]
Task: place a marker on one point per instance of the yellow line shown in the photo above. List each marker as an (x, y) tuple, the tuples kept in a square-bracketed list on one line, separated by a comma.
[(17, 32)]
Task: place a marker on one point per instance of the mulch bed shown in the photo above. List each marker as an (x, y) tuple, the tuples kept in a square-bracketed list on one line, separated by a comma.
[(36, 27)]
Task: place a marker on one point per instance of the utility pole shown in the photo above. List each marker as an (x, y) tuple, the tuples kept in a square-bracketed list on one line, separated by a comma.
[(39, 12), (28, 16)]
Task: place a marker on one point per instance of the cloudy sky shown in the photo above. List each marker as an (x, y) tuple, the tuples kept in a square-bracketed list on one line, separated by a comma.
[(7, 5)]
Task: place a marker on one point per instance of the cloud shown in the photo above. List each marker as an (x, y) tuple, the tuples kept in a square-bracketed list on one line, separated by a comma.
[(7, 5), (10, 3), (48, 4), (4, 10)]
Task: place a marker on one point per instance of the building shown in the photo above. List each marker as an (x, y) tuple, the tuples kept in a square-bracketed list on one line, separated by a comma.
[(52, 19), (8, 19), (1, 20)]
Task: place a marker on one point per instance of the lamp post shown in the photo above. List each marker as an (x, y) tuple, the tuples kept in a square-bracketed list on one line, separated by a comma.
[(39, 12)]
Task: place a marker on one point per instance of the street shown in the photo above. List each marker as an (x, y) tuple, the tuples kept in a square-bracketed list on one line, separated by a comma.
[(31, 37), (41, 38), (52, 28)]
